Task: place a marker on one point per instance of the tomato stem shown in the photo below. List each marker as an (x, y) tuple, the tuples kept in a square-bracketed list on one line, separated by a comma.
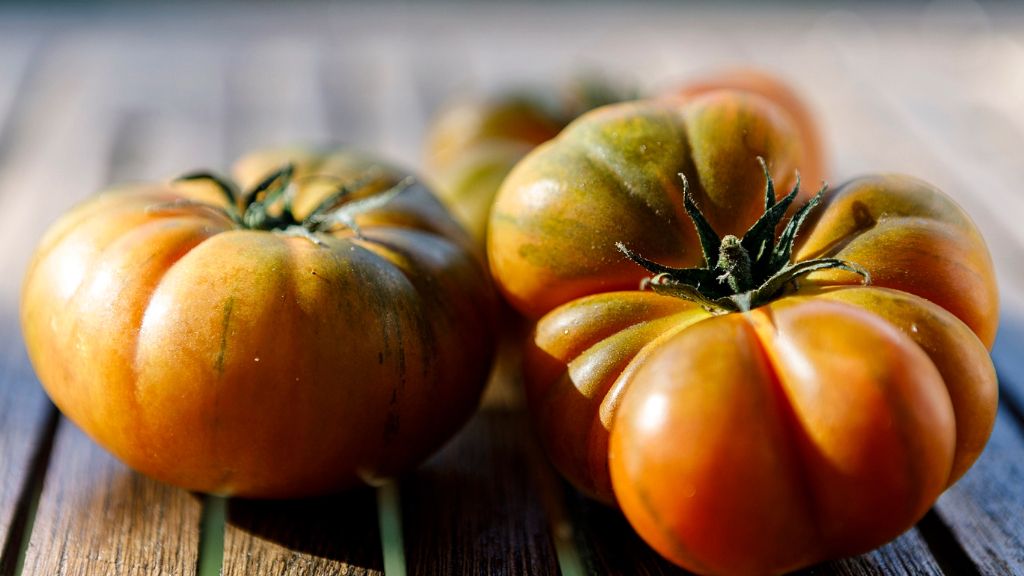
[(735, 262), (269, 204), (747, 272)]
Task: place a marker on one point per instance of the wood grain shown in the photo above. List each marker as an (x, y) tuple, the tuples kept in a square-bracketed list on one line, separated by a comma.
[(908, 555), (194, 92), (483, 503), (27, 418), (608, 545), (488, 502), (335, 535), (26, 415), (98, 517), (984, 509), (26, 425), (477, 506)]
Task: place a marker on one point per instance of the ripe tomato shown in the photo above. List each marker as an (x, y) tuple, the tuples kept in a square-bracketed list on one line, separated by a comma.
[(329, 328), (611, 176), (760, 409), (473, 143), (814, 167)]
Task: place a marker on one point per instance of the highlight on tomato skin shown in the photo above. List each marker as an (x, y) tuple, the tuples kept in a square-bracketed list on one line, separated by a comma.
[(798, 446), (814, 168), (474, 141), (323, 324), (749, 370), (558, 215)]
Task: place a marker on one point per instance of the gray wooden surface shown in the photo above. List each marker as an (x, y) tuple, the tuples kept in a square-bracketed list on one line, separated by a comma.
[(94, 96)]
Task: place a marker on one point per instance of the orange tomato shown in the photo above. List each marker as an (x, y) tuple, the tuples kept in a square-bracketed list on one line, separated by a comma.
[(260, 346), (814, 168), (612, 176), (473, 143), (760, 409)]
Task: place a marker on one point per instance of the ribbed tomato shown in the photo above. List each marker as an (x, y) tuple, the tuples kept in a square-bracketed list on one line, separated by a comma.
[(331, 326), (473, 143), (785, 392), (814, 167)]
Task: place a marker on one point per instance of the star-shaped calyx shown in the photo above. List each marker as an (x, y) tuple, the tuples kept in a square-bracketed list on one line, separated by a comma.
[(740, 274), (269, 204)]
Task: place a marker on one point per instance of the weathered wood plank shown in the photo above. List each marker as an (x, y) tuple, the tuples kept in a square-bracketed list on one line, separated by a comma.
[(984, 509), (276, 97), (95, 515), (27, 418), (485, 503), (479, 514), (27, 422), (335, 535), (477, 506), (905, 556), (98, 517), (608, 545), (876, 131)]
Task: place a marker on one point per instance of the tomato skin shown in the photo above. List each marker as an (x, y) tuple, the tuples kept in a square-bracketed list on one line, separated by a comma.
[(959, 355), (794, 453), (811, 412), (255, 363), (737, 383), (576, 370), (472, 145), (913, 238), (612, 176), (814, 167)]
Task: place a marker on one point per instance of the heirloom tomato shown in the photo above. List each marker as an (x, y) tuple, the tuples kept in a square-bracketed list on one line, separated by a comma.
[(813, 169), (473, 143), (612, 176), (790, 388), (329, 326)]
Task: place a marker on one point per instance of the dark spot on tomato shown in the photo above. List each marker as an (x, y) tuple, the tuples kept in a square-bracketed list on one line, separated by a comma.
[(229, 305), (862, 216)]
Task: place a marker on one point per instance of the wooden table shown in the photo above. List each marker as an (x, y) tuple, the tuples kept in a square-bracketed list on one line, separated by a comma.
[(89, 97)]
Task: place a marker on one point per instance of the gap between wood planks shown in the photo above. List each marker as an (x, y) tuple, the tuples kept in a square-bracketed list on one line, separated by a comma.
[(391, 508), (12, 556)]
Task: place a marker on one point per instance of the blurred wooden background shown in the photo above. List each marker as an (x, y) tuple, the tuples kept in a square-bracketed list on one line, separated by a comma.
[(115, 92)]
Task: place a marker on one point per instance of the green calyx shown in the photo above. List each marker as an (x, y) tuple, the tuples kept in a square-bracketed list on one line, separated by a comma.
[(740, 274), (269, 204)]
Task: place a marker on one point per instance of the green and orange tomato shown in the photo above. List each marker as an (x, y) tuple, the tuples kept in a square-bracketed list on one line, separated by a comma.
[(804, 376), (330, 327), (472, 143)]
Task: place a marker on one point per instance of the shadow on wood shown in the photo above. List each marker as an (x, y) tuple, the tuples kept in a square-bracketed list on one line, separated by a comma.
[(320, 535)]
